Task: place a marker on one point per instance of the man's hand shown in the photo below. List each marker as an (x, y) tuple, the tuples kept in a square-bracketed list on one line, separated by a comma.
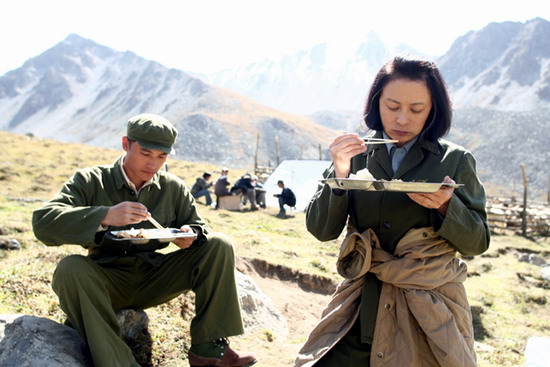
[(438, 200), (185, 242), (127, 212)]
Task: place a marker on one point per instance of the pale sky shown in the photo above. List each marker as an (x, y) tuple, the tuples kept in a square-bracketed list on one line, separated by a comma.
[(204, 36)]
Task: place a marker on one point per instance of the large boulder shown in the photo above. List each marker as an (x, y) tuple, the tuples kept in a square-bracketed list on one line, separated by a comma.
[(41, 342), (29, 341)]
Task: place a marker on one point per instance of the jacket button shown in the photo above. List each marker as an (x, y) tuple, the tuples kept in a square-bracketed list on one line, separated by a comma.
[(424, 234), (387, 306), (380, 354), (387, 225)]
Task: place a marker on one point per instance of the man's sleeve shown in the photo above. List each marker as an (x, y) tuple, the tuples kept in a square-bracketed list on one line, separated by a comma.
[(68, 218)]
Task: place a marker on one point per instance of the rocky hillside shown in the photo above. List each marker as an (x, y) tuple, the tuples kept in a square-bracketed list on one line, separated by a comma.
[(502, 141), (79, 91), (504, 66)]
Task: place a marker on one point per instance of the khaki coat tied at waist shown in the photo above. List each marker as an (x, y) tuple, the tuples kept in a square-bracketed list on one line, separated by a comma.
[(423, 319)]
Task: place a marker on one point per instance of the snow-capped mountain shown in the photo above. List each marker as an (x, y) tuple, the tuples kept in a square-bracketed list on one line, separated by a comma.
[(79, 91), (505, 66), (327, 77)]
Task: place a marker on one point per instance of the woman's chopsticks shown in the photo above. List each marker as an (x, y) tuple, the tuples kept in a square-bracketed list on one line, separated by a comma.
[(379, 141)]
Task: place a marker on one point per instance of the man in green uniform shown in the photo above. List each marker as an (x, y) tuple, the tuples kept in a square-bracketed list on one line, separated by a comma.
[(118, 274)]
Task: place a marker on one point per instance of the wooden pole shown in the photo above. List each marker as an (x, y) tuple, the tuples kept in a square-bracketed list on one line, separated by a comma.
[(256, 154), (524, 212), (277, 152)]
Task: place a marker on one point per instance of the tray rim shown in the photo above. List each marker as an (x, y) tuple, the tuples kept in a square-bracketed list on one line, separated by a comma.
[(379, 185), (176, 234)]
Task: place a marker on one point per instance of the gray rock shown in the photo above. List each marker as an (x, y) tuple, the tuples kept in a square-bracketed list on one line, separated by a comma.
[(132, 322), (9, 244), (532, 259), (536, 260), (545, 273), (523, 258), (134, 329), (39, 342), (258, 311)]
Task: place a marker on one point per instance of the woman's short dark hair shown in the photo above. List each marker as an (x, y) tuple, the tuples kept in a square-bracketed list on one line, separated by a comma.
[(438, 122)]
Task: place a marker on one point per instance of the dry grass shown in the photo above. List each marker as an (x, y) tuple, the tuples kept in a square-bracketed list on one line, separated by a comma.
[(510, 298)]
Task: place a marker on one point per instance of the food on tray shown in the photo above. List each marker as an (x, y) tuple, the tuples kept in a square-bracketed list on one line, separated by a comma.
[(132, 233), (393, 180), (144, 235), (363, 174)]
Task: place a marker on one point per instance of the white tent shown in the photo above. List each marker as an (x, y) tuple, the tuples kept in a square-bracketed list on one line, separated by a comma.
[(301, 176)]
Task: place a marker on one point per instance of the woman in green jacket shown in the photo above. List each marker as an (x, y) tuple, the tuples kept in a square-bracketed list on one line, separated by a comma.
[(408, 102)]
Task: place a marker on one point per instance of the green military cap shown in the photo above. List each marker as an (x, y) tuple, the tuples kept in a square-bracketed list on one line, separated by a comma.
[(152, 132)]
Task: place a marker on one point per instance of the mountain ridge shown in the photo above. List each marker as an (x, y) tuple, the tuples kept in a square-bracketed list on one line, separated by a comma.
[(81, 91), (504, 66)]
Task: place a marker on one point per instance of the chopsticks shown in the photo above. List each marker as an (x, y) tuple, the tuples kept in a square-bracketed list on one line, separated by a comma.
[(155, 223), (379, 141)]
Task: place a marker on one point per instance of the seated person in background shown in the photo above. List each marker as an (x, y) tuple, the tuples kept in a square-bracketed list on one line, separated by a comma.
[(221, 186), (201, 186), (114, 276), (244, 186), (259, 191), (286, 197)]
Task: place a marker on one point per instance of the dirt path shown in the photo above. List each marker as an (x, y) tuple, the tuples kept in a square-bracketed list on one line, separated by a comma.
[(301, 309)]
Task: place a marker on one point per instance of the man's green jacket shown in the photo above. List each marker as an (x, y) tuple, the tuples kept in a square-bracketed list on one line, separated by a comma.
[(73, 216)]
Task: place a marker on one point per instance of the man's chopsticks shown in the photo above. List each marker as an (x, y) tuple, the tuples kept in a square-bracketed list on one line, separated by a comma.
[(155, 223)]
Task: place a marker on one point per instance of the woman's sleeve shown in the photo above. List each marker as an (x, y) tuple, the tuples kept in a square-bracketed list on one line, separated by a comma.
[(327, 212), (465, 225)]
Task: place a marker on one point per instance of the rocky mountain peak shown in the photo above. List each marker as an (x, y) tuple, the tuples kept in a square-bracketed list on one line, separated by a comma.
[(79, 91), (504, 66)]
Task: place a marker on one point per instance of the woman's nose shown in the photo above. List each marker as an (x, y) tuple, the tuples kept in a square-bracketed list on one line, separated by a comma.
[(401, 118)]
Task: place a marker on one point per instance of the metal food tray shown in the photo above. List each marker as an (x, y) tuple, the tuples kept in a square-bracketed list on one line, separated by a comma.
[(382, 185), (161, 235)]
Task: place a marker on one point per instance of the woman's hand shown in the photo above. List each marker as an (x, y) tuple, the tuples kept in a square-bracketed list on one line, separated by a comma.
[(185, 242), (342, 149), (438, 200)]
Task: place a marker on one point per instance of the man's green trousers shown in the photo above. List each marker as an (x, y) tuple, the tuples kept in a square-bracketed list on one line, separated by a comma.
[(91, 289)]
